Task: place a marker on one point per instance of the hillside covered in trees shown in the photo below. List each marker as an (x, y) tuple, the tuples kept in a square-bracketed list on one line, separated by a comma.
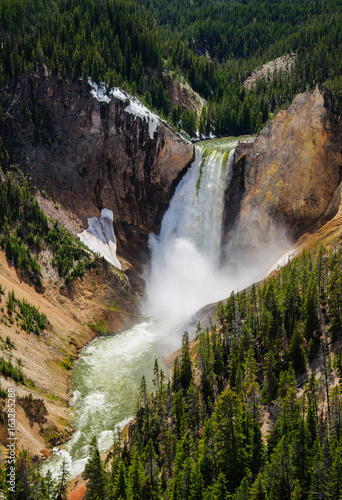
[(202, 435), (214, 46), (254, 407)]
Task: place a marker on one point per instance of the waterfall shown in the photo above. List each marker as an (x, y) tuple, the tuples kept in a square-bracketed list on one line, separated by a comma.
[(184, 275), (185, 257), (196, 209)]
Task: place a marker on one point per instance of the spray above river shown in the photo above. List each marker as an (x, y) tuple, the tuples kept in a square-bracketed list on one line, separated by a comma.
[(185, 274)]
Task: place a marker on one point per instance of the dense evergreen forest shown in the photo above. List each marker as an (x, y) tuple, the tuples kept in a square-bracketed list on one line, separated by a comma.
[(254, 407), (213, 45), (253, 410)]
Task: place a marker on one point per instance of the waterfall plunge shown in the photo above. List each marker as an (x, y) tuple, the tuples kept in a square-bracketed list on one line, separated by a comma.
[(185, 274)]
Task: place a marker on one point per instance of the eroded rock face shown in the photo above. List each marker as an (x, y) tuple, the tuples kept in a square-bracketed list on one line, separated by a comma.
[(100, 157), (284, 181)]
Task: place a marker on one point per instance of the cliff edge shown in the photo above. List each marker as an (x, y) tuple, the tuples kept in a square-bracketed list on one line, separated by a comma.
[(286, 180), (92, 155)]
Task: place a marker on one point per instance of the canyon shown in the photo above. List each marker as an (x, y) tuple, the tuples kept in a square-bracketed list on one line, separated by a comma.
[(91, 155)]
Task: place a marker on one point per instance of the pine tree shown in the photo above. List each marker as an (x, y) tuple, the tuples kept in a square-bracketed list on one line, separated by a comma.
[(310, 313), (185, 370), (296, 351), (97, 486), (120, 484), (136, 479), (232, 457)]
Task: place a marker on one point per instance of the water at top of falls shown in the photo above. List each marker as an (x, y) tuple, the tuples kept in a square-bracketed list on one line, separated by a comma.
[(196, 209)]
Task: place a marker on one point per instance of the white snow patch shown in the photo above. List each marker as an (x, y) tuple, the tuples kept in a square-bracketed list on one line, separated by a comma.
[(100, 237), (204, 137), (99, 91), (119, 94), (284, 259), (135, 107), (138, 109)]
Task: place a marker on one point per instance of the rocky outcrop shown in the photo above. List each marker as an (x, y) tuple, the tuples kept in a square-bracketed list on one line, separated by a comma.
[(84, 156), (92, 155), (281, 64), (285, 180), (183, 94)]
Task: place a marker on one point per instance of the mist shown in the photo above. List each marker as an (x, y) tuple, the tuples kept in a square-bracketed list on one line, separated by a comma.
[(184, 279), (189, 268)]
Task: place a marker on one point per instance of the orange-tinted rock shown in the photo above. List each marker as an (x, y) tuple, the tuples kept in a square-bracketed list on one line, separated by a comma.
[(286, 179), (79, 493)]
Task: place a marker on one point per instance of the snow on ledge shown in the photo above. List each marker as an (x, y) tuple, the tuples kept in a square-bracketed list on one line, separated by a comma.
[(99, 91), (138, 109), (119, 94), (100, 237), (284, 259), (135, 107)]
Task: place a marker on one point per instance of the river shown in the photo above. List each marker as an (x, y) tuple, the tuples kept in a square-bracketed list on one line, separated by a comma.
[(184, 275)]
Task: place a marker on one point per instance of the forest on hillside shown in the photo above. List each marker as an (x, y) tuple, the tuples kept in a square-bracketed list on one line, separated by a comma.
[(212, 45), (25, 231), (254, 407), (253, 410)]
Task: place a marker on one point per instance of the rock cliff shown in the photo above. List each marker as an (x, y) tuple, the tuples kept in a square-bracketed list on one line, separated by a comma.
[(285, 181), (101, 302), (83, 156), (92, 155)]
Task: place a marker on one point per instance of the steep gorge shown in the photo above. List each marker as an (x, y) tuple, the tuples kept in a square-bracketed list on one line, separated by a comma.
[(82, 156), (285, 185), (92, 155)]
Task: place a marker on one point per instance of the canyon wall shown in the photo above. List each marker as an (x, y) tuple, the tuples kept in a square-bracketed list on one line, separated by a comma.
[(91, 155), (82, 156), (285, 181)]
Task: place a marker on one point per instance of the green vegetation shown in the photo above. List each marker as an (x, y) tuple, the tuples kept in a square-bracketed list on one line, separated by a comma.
[(213, 45), (200, 435), (67, 250), (25, 230), (11, 371), (21, 221), (114, 307), (7, 345), (52, 435), (3, 393), (30, 484), (26, 316), (67, 363)]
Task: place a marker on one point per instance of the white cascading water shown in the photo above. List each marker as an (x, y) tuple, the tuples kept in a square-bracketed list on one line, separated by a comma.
[(184, 275), (196, 208), (185, 257)]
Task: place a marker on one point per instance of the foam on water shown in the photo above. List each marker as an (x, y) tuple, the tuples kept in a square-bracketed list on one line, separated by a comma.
[(107, 377), (183, 276), (185, 269)]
